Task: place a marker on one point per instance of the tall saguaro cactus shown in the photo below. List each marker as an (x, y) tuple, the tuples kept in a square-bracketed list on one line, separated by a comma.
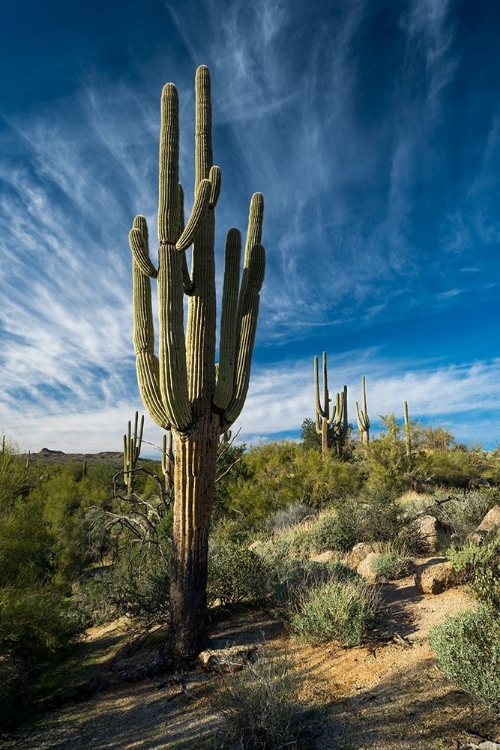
[(362, 415), (182, 388)]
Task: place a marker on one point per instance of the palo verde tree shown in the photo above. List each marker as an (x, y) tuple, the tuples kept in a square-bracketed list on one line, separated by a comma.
[(182, 388)]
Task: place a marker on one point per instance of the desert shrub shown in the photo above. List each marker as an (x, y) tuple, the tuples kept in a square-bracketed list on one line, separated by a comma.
[(339, 610), (259, 707), (279, 475), (141, 589), (287, 517), (292, 542), (464, 514), (456, 467), (335, 531), (467, 646), (480, 566), (235, 573), (293, 578), (390, 565)]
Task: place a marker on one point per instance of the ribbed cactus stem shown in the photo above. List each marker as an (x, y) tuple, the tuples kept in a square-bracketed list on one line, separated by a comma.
[(407, 429), (362, 417), (168, 460), (182, 388), (132, 442)]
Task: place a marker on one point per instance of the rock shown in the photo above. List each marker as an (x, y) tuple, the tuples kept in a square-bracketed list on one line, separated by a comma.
[(436, 576), (365, 568), (231, 659), (359, 552), (490, 524), (430, 531), (324, 557)]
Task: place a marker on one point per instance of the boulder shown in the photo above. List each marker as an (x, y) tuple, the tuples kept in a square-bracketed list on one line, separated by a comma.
[(430, 531), (365, 568), (324, 557), (489, 525), (436, 576), (359, 552)]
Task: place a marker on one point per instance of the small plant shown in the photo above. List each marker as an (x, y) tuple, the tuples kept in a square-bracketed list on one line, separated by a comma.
[(334, 531), (340, 610), (258, 707), (235, 573), (480, 566), (294, 578), (468, 651), (390, 565)]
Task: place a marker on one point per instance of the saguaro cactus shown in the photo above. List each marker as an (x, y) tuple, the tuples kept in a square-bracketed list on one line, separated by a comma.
[(131, 451), (323, 417), (181, 388), (407, 429), (362, 415)]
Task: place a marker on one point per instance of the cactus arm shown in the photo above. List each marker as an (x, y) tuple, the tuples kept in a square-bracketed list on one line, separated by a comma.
[(215, 178), (172, 350), (198, 212), (168, 178), (326, 394), (249, 309), (187, 284), (229, 320), (146, 362), (138, 240), (319, 411)]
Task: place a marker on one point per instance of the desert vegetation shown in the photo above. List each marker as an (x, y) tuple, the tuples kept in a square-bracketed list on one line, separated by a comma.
[(82, 545)]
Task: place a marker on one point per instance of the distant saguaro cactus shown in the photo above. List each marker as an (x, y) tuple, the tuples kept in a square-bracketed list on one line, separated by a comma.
[(324, 418), (407, 429), (362, 415), (180, 388), (131, 451)]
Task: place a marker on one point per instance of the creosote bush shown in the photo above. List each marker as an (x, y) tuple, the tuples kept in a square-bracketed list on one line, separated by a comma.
[(259, 706), (236, 573), (339, 611), (468, 651), (390, 565), (480, 566)]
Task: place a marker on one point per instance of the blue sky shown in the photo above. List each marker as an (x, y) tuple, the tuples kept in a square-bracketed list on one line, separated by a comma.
[(372, 127)]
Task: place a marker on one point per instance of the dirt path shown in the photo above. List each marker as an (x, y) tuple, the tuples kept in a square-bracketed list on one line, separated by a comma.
[(384, 696)]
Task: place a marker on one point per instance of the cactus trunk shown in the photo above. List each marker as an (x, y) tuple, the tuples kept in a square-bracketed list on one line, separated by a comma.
[(195, 462)]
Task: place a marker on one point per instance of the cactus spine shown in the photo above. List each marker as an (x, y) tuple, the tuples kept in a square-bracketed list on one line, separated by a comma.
[(362, 415), (181, 387), (131, 451), (407, 429)]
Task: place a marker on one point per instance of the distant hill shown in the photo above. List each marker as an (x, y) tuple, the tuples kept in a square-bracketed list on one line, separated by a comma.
[(48, 456)]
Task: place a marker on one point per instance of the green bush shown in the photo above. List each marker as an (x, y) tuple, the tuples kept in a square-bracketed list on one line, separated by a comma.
[(468, 651), (390, 565), (480, 566), (258, 707), (293, 578), (339, 610), (235, 573), (335, 531)]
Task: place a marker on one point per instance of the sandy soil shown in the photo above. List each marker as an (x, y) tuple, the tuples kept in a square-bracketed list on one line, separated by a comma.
[(386, 695)]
